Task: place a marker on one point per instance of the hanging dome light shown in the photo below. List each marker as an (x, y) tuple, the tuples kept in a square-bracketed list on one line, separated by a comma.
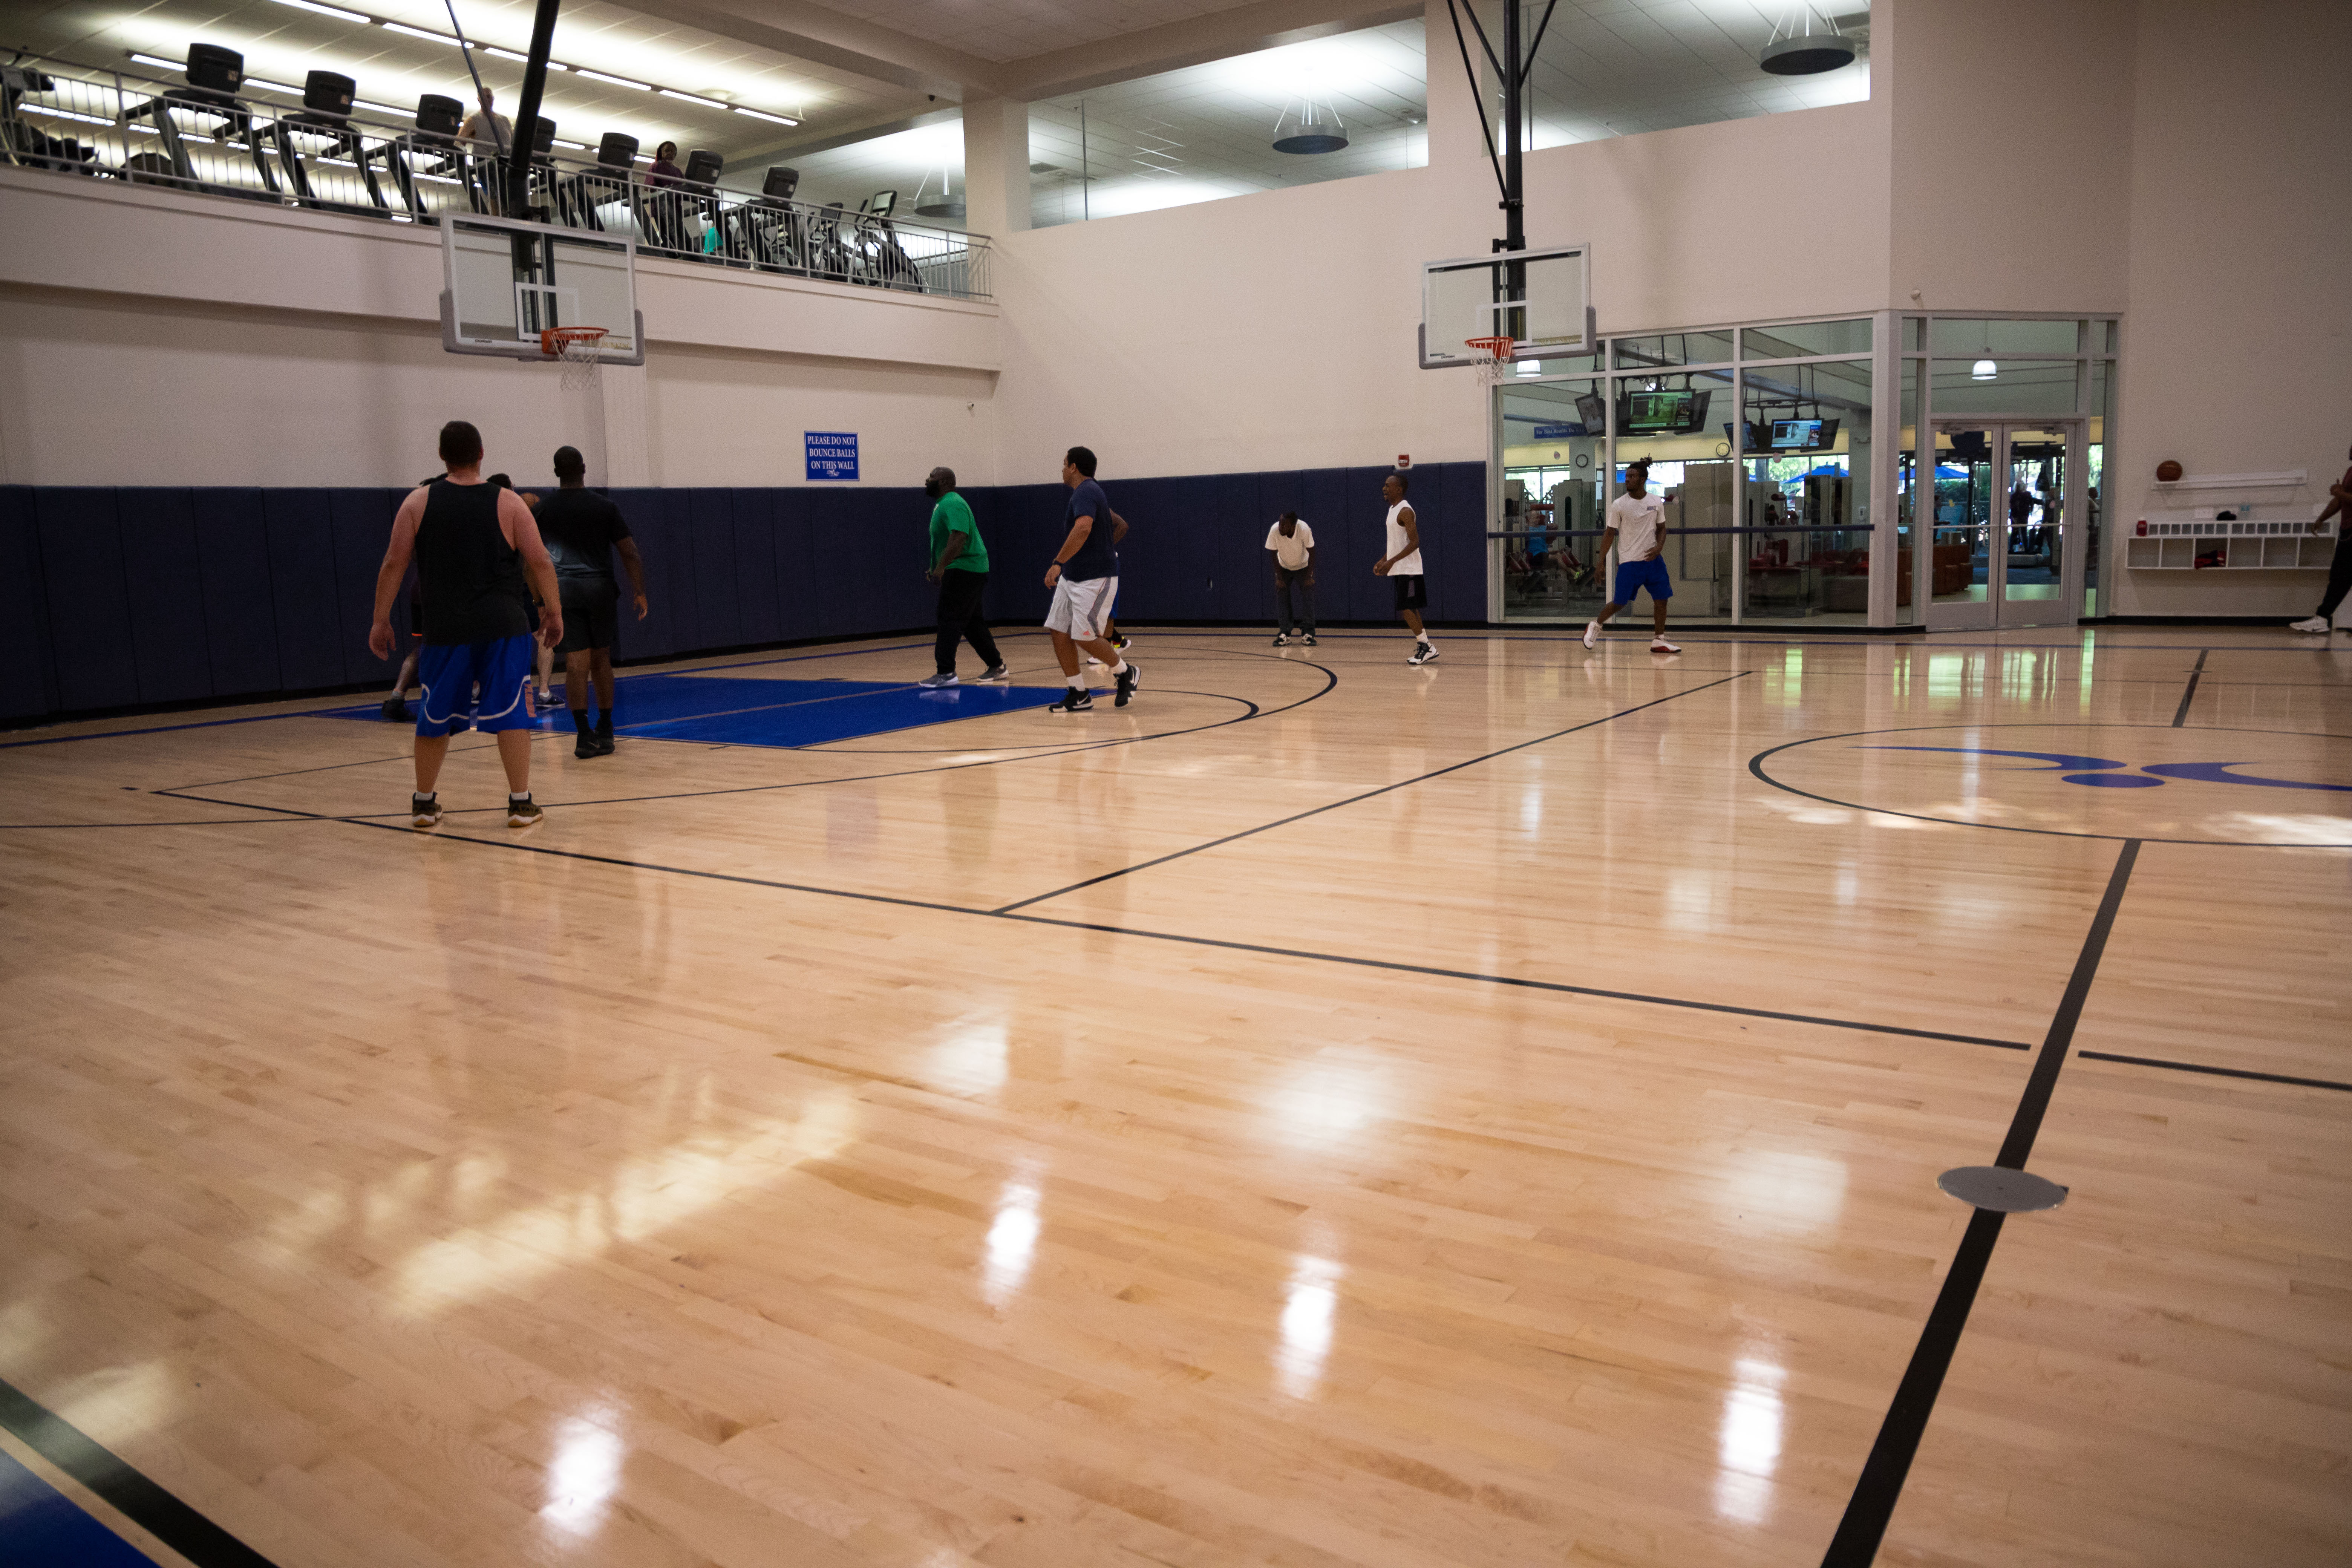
[(1313, 128), (1803, 52), (1983, 370)]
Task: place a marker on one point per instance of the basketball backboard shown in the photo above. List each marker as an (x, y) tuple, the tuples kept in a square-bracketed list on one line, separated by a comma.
[(1542, 299), (504, 281)]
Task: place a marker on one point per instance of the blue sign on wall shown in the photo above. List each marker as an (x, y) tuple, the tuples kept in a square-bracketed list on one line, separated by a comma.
[(832, 454), (1558, 432)]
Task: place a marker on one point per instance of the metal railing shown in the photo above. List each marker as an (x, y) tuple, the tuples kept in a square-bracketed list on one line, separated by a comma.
[(73, 121)]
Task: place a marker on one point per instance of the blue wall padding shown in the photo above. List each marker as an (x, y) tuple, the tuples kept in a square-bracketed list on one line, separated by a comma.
[(89, 608), (240, 620), (28, 682), (163, 579), (116, 598)]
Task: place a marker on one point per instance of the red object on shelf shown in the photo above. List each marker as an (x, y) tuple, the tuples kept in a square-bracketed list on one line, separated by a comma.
[(2141, 528)]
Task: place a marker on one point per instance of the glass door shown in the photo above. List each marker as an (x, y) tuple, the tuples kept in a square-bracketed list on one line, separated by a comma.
[(2005, 545)]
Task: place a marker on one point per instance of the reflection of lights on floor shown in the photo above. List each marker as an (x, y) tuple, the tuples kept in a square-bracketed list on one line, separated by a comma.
[(1012, 1242), (581, 1480), (971, 1060), (1307, 1326), (1748, 1446), (1801, 1192), (1326, 1102)]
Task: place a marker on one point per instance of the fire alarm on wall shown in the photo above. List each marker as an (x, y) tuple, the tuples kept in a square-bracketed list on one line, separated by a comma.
[(1403, 460)]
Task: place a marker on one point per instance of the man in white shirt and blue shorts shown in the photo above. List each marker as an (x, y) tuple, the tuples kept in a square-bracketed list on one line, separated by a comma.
[(1084, 580), (1637, 526)]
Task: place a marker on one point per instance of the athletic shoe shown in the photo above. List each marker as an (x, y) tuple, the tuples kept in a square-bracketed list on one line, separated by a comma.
[(938, 680), (1122, 642), (395, 711), (1126, 679), (1308, 639), (1660, 645), (424, 812), (603, 743), (1095, 662), (584, 745), (1422, 653), (524, 812), (1592, 634), (2309, 624), (546, 699), (1075, 700), (1281, 640), (995, 672)]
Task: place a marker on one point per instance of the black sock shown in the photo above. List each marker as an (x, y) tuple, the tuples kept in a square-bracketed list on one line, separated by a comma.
[(604, 722)]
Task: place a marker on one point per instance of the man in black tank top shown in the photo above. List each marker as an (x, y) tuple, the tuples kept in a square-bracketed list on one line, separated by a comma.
[(476, 547)]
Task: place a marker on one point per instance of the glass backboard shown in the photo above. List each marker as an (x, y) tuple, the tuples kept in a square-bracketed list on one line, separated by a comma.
[(1542, 299), (505, 281)]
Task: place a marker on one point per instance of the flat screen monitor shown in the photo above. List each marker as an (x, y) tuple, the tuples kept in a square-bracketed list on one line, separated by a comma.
[(1804, 434), (1589, 409), (1662, 412)]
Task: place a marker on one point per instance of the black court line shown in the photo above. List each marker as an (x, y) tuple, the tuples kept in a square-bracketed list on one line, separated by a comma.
[(1368, 794), (152, 1508), (2181, 718), (2217, 1072), (1880, 1486)]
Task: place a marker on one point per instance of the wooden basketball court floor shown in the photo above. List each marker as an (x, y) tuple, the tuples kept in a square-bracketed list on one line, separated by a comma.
[(1325, 1113)]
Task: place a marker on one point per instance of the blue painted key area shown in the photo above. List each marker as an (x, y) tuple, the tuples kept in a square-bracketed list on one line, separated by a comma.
[(716, 710), (40, 1528)]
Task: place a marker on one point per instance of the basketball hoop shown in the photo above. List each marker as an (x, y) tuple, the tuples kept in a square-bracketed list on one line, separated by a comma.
[(580, 349), (1493, 358)]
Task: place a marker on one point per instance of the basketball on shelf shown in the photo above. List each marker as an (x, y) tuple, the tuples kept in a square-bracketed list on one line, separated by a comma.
[(2166, 471)]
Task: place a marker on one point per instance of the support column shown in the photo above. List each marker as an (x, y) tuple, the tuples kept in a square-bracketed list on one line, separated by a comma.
[(1453, 134), (995, 165)]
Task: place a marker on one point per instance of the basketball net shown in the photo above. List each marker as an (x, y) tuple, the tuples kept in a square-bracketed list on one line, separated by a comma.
[(582, 351), (1494, 361)]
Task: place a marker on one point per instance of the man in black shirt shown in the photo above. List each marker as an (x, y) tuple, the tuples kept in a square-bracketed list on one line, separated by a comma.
[(581, 528), (475, 543)]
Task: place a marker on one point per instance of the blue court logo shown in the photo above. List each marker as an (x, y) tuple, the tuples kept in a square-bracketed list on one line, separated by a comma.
[(2104, 773)]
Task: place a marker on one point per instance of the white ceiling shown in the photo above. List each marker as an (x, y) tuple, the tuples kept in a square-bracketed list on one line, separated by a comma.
[(1002, 30), (1617, 68)]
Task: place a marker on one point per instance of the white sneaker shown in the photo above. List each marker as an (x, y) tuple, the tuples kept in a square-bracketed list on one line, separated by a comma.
[(2311, 624), (1660, 645), (1592, 634)]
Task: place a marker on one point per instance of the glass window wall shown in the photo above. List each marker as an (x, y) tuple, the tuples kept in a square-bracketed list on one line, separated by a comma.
[(1807, 447), (1554, 458), (1802, 339)]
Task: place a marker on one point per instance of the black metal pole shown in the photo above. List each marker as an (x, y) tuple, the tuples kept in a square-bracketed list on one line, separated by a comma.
[(534, 88), (1515, 232)]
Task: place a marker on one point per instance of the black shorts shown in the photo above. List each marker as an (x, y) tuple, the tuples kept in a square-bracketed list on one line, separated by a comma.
[(590, 623), (1412, 592)]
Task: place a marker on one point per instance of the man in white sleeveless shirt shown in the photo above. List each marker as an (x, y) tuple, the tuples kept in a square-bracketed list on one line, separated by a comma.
[(1402, 566)]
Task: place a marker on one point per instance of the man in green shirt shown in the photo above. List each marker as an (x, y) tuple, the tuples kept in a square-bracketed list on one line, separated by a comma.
[(959, 565)]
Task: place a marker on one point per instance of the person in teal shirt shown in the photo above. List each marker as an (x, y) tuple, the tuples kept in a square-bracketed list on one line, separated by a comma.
[(959, 565)]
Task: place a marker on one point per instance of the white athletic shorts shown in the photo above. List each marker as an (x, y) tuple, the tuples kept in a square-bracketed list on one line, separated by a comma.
[(1081, 609)]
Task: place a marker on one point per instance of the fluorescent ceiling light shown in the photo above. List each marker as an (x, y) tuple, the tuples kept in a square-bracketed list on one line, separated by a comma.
[(612, 80), (762, 114), (272, 86), (519, 60), (160, 60), (690, 98), (575, 146), (336, 12), (65, 114), (408, 32), (377, 108)]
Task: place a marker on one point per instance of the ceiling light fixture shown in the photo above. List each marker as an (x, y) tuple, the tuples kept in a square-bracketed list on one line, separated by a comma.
[(1803, 52), (272, 86), (160, 60), (762, 114), (63, 114), (336, 12), (498, 53), (1984, 369), (690, 98), (380, 107), (1315, 128), (612, 80), (406, 31)]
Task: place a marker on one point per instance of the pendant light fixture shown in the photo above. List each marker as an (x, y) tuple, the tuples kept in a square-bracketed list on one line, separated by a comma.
[(1310, 127), (1984, 369), (946, 204), (1797, 49)]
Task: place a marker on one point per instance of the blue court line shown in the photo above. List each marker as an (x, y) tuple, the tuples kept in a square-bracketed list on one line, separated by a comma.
[(42, 1528)]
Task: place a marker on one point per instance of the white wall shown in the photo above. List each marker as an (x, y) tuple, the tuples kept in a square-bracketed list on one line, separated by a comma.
[(150, 338), (2238, 347)]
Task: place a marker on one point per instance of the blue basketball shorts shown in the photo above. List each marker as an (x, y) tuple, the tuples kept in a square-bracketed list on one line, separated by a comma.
[(1632, 576), (487, 677)]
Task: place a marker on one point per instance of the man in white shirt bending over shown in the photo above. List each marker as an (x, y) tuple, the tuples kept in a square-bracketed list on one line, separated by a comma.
[(1293, 544), (1637, 526)]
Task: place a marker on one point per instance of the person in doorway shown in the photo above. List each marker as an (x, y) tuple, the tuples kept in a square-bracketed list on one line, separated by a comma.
[(583, 530), (2339, 566), (959, 566), (1084, 576), (1292, 544), (475, 546), (1402, 566), (1637, 526)]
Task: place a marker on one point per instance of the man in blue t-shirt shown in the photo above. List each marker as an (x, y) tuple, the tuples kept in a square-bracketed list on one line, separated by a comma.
[(1084, 580)]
